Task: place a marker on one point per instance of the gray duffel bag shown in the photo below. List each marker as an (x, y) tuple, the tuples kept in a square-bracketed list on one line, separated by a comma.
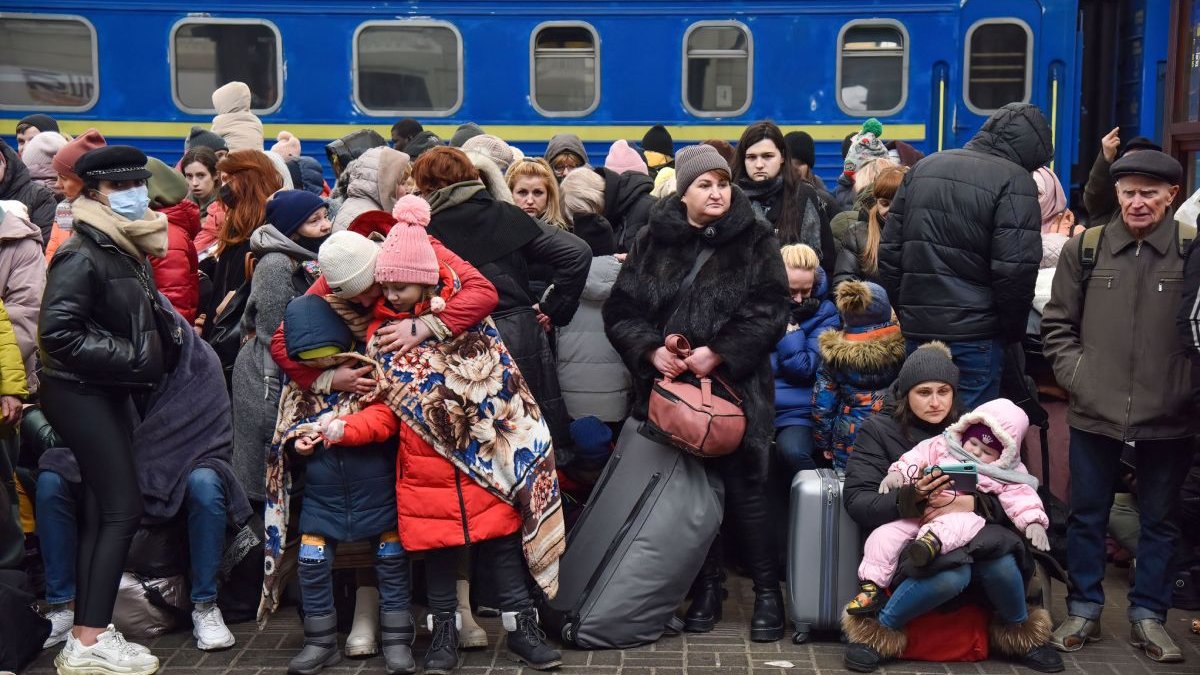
[(638, 545)]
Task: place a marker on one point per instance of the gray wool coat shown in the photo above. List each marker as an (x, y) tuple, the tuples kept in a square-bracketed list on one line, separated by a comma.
[(257, 381)]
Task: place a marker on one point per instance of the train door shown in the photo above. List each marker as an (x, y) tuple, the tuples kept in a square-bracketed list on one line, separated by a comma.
[(999, 42)]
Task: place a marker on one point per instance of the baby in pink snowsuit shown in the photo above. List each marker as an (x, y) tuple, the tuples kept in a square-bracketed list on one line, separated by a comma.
[(989, 437)]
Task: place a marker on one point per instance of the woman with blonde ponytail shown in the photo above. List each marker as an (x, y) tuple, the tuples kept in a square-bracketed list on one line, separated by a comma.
[(859, 255)]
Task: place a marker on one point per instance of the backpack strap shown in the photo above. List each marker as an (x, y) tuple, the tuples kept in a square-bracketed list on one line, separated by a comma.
[(1089, 252)]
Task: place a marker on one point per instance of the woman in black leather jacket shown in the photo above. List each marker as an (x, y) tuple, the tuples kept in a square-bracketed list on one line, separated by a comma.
[(102, 351)]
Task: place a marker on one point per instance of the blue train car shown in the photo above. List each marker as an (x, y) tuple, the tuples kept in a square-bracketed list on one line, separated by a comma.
[(931, 70)]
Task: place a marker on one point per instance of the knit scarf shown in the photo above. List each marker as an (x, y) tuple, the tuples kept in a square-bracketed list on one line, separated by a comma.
[(1009, 476), (139, 238), (453, 195), (765, 195)]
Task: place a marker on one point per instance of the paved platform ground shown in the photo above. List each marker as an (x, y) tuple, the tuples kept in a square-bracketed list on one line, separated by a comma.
[(725, 651)]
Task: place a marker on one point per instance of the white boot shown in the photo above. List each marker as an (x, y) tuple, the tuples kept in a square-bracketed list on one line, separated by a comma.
[(470, 636), (362, 640)]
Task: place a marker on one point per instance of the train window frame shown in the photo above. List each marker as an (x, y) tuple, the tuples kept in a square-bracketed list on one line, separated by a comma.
[(683, 84), (905, 57), (966, 78), (533, 36), (214, 20), (95, 60), (407, 23)]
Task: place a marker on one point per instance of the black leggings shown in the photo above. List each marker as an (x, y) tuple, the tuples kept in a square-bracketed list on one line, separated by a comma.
[(97, 425)]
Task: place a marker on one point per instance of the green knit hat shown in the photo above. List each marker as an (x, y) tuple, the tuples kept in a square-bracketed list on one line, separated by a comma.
[(167, 187)]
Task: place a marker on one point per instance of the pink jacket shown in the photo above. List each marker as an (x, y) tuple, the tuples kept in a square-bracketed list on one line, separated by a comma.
[(22, 279), (1008, 423)]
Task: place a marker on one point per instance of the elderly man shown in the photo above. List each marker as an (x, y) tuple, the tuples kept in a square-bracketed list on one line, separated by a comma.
[(1109, 330)]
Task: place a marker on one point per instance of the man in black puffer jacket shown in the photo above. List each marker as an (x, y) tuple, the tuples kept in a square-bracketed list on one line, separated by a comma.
[(627, 203), (960, 250)]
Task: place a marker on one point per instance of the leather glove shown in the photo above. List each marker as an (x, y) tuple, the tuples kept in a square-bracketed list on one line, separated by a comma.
[(891, 482), (1037, 536)]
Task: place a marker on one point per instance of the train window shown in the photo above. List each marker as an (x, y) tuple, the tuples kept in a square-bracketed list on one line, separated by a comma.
[(408, 68), (48, 62), (565, 70), (999, 59), (718, 68), (872, 67), (209, 53)]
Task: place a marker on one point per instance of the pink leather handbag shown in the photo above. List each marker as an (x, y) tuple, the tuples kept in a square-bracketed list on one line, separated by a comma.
[(692, 418)]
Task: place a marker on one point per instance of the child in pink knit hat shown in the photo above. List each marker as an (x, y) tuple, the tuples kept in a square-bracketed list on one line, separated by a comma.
[(407, 268)]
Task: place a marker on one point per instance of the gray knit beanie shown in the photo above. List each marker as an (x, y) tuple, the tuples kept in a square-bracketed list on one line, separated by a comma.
[(694, 161), (464, 132), (931, 362)]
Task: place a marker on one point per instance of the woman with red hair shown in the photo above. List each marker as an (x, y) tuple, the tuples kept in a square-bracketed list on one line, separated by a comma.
[(503, 241), (248, 179)]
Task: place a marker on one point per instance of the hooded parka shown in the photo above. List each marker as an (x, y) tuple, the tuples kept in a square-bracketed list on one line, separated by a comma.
[(960, 250), (372, 185), (22, 280)]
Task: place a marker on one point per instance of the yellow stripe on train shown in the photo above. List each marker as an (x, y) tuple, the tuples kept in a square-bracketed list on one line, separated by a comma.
[(509, 132)]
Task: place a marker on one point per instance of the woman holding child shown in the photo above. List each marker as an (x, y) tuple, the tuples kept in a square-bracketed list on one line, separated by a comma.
[(925, 405)]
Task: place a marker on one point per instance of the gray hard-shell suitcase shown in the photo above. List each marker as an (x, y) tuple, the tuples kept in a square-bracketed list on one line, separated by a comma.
[(637, 546), (824, 550)]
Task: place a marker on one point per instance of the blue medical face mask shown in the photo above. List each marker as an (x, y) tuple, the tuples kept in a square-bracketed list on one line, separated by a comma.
[(131, 203)]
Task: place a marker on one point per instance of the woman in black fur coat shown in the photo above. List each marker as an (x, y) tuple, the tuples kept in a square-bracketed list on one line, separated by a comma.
[(733, 315)]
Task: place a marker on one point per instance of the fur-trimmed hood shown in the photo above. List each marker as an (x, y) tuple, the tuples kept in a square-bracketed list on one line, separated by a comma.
[(1007, 421), (850, 353)]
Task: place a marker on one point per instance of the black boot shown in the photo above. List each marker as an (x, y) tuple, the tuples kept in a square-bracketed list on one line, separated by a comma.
[(527, 642), (320, 646), (767, 622), (707, 594), (442, 657), (398, 634)]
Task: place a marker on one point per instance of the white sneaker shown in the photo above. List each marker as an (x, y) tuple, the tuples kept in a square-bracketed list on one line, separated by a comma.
[(110, 654), (208, 627), (61, 619)]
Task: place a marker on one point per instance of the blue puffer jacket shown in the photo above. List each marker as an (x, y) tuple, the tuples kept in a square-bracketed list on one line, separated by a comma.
[(797, 357), (350, 490)]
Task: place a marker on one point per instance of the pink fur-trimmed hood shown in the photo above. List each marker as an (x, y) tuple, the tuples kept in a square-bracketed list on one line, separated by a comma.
[(1007, 421)]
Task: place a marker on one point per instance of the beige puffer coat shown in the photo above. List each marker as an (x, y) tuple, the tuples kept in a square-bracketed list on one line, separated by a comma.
[(373, 179)]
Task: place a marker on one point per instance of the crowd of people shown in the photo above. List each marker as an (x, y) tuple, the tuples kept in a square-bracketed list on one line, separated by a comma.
[(433, 353)]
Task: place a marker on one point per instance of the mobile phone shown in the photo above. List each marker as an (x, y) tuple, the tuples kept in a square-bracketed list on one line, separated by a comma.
[(964, 476)]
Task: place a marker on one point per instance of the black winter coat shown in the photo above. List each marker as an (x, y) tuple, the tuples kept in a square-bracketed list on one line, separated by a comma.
[(960, 250), (737, 306), (627, 204), (880, 442), (502, 241), (97, 322), (350, 492), (17, 185)]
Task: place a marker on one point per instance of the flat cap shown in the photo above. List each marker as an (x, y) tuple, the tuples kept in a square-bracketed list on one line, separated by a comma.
[(112, 162), (1151, 163)]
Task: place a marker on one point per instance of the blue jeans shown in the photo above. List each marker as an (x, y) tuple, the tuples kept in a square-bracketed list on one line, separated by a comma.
[(1000, 578), (316, 574), (980, 363), (57, 533), (1095, 471), (206, 508), (57, 530), (795, 444)]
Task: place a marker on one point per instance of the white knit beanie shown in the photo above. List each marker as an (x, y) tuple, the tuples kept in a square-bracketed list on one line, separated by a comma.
[(347, 262)]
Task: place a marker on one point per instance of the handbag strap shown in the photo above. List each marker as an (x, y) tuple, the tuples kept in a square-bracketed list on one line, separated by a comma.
[(705, 253)]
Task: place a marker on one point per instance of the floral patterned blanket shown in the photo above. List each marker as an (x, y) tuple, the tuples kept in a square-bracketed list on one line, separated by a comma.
[(467, 399)]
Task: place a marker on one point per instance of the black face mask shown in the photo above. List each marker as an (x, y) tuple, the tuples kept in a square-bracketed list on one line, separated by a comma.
[(226, 195), (312, 244)]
